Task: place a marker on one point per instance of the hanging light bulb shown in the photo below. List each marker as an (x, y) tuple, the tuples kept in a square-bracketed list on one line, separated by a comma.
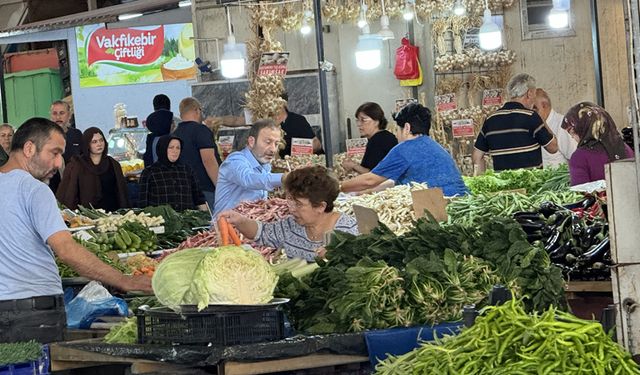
[(232, 62), (385, 32), (368, 50), (362, 17), (305, 29), (490, 35), (559, 15), (459, 9), (407, 13)]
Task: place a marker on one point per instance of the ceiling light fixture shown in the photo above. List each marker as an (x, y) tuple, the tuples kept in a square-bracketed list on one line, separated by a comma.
[(232, 62), (362, 17), (459, 9), (368, 50), (490, 35), (385, 32), (408, 11), (129, 16), (307, 20), (184, 3)]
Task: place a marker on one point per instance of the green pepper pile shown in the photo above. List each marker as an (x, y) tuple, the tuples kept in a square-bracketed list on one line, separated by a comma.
[(19, 352), (506, 340)]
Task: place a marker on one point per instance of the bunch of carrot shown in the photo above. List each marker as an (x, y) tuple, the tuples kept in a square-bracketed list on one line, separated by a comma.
[(146, 270), (228, 233)]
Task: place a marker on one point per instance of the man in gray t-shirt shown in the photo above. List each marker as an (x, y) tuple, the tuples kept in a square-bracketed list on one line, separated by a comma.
[(31, 304)]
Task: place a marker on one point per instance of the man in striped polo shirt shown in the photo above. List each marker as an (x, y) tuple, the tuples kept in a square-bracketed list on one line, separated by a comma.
[(514, 134)]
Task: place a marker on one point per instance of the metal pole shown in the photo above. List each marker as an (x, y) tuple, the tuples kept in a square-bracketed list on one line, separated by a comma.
[(412, 37), (595, 40), (3, 92), (634, 55), (322, 78)]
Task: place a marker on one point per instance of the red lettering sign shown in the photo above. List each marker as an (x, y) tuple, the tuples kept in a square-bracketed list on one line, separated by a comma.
[(462, 128), (132, 46)]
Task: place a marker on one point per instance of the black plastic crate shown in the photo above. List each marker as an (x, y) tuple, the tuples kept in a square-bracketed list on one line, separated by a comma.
[(164, 326)]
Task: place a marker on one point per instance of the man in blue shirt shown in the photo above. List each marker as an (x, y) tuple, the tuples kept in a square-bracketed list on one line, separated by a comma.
[(417, 158), (31, 303), (246, 175)]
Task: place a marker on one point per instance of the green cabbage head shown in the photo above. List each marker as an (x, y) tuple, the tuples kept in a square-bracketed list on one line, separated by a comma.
[(206, 276)]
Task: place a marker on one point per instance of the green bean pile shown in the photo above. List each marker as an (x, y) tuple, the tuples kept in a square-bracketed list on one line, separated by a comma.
[(472, 209), (505, 340)]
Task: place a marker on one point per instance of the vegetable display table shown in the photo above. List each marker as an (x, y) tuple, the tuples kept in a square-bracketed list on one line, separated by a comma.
[(296, 353), (587, 299)]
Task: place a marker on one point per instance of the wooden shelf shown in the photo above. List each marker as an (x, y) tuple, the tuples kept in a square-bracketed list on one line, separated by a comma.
[(588, 286)]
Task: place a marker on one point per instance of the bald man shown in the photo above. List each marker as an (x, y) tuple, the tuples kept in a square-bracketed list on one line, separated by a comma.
[(566, 144), (6, 134)]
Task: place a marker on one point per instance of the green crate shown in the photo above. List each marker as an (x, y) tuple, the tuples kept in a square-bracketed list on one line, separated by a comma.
[(30, 93)]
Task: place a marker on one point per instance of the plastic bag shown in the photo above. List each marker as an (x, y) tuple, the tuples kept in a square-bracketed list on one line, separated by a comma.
[(413, 82), (92, 302), (407, 64)]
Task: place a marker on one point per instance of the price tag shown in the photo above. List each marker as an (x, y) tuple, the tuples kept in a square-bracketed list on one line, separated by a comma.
[(491, 97), (273, 63), (462, 128), (226, 144), (401, 103), (446, 102), (356, 146), (431, 200), (301, 146)]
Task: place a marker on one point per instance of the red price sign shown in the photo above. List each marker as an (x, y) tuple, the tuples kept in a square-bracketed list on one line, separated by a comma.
[(463, 128), (356, 146), (446, 102), (226, 145), (491, 97), (273, 63), (301, 146)]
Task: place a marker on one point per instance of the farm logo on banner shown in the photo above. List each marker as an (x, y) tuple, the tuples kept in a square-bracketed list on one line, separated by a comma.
[(109, 57), (133, 46)]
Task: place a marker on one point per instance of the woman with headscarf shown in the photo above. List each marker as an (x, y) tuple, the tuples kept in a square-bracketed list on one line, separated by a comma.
[(93, 178), (168, 182), (158, 123), (599, 142)]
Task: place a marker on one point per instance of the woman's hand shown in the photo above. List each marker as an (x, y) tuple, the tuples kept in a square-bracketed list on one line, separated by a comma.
[(233, 217), (349, 165), (321, 252), (243, 224)]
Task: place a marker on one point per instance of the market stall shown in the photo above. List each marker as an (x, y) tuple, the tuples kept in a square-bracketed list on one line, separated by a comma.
[(378, 300)]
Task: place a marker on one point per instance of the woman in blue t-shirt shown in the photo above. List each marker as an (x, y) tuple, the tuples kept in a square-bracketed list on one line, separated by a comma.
[(417, 158)]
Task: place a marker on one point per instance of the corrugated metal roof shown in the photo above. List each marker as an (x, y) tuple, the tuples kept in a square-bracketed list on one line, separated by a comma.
[(102, 15)]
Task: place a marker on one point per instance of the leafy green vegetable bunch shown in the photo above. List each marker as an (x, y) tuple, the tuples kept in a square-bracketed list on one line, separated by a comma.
[(533, 180), (442, 267)]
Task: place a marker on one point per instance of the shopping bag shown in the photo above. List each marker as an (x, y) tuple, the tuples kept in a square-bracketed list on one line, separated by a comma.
[(407, 64)]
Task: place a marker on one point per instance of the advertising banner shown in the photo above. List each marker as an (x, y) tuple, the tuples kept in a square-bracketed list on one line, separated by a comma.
[(110, 57)]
